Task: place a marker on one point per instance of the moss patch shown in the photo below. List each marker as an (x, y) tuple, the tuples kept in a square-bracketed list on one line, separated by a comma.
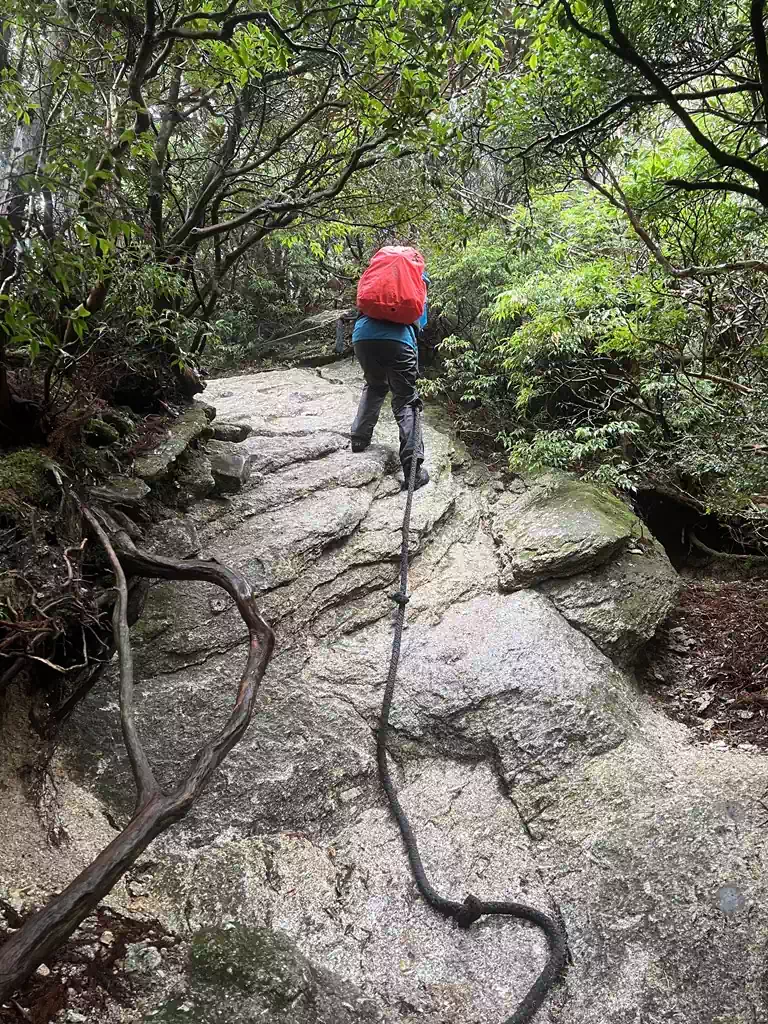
[(253, 960), (24, 481), (241, 975)]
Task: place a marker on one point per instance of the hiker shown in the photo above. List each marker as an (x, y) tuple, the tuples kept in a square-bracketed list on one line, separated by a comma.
[(394, 285)]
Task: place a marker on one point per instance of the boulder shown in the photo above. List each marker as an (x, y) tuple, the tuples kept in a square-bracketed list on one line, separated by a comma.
[(26, 475), (558, 525), (531, 766), (619, 605)]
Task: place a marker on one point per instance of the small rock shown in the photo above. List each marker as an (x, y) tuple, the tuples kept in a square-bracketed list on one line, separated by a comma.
[(208, 409), (175, 538), (234, 432), (195, 479), (218, 605), (15, 901), (476, 475), (121, 490), (43, 971), (73, 1017), (107, 938), (231, 467), (141, 959), (99, 434), (730, 899)]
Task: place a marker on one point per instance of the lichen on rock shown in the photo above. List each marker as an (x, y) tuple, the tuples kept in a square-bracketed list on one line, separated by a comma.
[(238, 975), (192, 423)]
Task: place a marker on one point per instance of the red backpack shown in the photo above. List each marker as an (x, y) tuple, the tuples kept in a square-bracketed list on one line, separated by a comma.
[(392, 287)]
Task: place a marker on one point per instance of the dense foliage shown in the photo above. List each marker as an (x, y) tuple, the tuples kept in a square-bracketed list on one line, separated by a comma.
[(183, 183), (623, 290), (574, 348), (152, 149)]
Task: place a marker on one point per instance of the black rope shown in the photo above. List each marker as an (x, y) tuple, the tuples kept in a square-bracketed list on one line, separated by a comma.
[(471, 909)]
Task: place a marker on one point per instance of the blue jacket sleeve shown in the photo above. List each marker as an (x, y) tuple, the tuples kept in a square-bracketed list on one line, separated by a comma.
[(421, 323)]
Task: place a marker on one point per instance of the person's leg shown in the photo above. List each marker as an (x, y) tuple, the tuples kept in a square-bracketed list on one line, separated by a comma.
[(374, 392), (402, 371)]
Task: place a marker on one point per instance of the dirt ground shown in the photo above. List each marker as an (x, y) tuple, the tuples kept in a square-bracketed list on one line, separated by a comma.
[(708, 665)]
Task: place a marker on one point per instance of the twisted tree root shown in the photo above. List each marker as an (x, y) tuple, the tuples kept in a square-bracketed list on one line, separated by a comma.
[(727, 555), (156, 809)]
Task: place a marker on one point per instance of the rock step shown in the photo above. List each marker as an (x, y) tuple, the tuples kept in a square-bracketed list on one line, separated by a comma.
[(192, 424)]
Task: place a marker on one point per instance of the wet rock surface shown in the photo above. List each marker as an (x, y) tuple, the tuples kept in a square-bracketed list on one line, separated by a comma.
[(230, 466), (192, 423), (531, 765)]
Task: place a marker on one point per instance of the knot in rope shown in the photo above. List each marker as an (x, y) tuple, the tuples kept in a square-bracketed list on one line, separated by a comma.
[(470, 911), (399, 598)]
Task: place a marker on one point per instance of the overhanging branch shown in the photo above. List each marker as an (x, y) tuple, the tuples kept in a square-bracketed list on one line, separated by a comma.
[(620, 202), (620, 46), (229, 22)]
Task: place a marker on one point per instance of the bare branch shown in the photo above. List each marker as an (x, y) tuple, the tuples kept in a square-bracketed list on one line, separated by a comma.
[(757, 24), (620, 46), (272, 207), (714, 186)]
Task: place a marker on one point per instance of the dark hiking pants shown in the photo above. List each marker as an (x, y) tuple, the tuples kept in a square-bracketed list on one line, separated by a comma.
[(388, 366)]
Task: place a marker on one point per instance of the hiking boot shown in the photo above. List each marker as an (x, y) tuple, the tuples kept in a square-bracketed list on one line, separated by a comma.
[(359, 444), (422, 477)]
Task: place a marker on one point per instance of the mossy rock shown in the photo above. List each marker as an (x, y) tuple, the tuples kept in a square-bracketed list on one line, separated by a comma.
[(120, 420), (99, 434), (239, 975), (558, 526), (191, 424), (25, 480)]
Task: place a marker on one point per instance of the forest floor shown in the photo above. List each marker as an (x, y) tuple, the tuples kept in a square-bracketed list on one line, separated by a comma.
[(708, 664)]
